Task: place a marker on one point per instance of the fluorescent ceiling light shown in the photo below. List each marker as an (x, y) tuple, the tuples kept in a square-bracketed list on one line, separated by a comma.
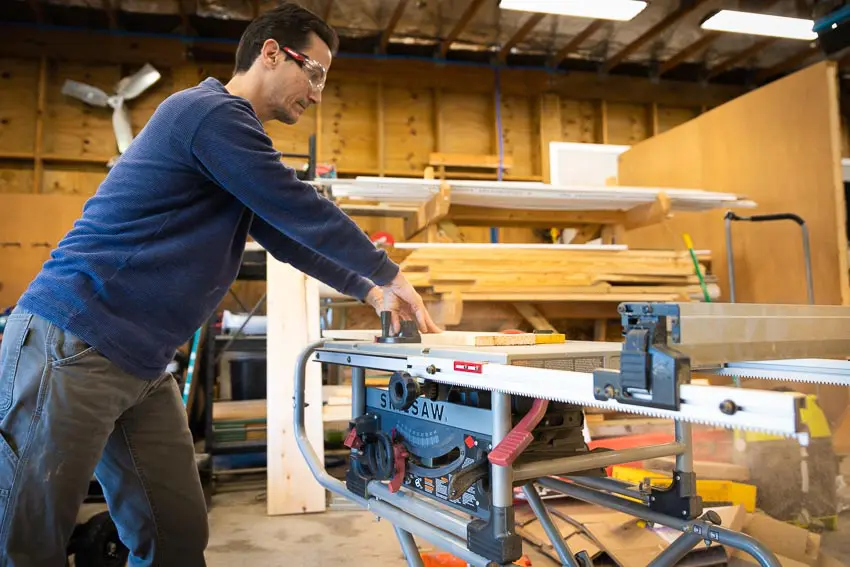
[(601, 9), (760, 24)]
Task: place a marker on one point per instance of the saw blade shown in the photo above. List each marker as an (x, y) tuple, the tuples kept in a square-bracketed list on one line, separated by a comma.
[(805, 370), (769, 412)]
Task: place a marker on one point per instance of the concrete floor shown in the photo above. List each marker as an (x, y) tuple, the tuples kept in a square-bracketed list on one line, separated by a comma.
[(241, 534)]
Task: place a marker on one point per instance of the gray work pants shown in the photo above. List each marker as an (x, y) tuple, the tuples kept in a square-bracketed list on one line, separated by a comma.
[(67, 413)]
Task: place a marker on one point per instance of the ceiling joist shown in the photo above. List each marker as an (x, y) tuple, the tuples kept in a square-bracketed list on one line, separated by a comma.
[(576, 42), (689, 51), (742, 55), (471, 8), (520, 34), (394, 19), (685, 8)]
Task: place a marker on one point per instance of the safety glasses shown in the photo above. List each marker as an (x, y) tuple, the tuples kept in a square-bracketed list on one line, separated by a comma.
[(315, 71)]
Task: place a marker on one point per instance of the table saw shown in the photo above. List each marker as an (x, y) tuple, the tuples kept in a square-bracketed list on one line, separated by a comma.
[(438, 451)]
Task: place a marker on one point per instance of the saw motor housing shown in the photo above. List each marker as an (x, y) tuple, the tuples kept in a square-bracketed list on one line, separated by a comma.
[(445, 436)]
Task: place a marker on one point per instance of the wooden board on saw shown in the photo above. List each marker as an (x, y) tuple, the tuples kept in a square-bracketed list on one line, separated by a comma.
[(454, 338)]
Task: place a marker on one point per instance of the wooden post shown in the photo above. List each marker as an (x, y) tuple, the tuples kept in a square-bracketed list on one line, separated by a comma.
[(293, 323), (38, 150), (382, 132), (550, 128)]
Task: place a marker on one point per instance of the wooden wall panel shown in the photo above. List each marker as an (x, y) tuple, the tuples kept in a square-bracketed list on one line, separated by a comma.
[(408, 129), (16, 177), (18, 85), (671, 116), (788, 162), (627, 124), (349, 137), (468, 123), (579, 119), (82, 180), (73, 128), (520, 132)]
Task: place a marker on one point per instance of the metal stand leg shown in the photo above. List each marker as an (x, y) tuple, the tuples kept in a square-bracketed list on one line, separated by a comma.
[(561, 547), (502, 482), (408, 547), (358, 392), (676, 551)]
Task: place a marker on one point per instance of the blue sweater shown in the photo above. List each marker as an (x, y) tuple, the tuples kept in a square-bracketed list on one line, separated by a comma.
[(161, 241)]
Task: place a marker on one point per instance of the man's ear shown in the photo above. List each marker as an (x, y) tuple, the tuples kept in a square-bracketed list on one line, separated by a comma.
[(270, 53)]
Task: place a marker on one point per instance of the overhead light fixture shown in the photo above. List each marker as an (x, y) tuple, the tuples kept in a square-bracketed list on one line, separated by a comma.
[(760, 24), (622, 10)]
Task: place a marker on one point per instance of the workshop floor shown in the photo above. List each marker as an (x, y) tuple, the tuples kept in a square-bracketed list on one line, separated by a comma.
[(242, 534)]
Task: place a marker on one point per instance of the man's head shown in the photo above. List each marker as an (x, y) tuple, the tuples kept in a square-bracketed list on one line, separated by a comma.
[(284, 55)]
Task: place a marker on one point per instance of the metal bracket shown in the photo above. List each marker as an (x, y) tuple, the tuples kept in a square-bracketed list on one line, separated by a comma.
[(650, 371), (680, 499)]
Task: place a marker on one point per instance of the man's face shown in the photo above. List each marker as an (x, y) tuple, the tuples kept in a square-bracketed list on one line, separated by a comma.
[(295, 81)]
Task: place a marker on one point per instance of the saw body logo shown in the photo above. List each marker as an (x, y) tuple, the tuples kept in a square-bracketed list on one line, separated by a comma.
[(423, 408)]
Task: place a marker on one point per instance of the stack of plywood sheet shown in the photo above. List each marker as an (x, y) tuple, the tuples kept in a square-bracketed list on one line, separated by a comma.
[(504, 272)]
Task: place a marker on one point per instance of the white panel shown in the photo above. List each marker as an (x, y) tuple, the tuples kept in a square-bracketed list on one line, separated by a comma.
[(574, 163)]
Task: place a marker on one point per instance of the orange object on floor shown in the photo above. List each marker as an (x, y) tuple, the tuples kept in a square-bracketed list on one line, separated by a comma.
[(449, 560)]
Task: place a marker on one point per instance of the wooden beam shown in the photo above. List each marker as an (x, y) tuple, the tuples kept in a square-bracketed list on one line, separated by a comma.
[(38, 10), (394, 19), (520, 34), (576, 42), (32, 42), (787, 64), (184, 17), (326, 13), (742, 55), (111, 13), (471, 8), (672, 18), (687, 52)]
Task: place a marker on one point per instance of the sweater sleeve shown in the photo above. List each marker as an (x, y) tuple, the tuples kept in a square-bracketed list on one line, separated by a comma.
[(305, 260), (232, 149)]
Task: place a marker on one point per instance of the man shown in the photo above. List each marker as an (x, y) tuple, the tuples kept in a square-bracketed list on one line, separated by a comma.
[(83, 388)]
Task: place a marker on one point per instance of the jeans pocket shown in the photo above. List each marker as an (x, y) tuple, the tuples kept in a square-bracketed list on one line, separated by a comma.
[(67, 348), (14, 337), (8, 465)]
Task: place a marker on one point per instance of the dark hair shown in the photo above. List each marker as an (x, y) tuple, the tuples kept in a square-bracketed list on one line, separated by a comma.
[(288, 24)]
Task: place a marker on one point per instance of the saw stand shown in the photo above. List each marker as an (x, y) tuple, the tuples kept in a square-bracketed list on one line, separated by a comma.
[(494, 543)]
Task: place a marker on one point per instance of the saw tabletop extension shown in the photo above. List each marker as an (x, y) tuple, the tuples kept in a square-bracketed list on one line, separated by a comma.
[(438, 451)]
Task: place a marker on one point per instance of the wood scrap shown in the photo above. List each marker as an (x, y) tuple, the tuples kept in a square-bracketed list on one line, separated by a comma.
[(446, 338)]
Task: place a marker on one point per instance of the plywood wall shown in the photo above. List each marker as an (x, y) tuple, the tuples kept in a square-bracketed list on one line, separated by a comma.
[(782, 153)]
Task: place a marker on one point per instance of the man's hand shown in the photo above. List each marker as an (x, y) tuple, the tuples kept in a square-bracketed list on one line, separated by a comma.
[(375, 298), (404, 302)]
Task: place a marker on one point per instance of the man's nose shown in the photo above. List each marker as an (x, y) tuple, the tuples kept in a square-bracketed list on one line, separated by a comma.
[(315, 96)]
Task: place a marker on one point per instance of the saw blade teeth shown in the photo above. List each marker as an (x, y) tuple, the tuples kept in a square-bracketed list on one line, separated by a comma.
[(622, 408)]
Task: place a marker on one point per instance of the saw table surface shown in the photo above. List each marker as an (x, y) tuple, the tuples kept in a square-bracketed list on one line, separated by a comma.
[(494, 354)]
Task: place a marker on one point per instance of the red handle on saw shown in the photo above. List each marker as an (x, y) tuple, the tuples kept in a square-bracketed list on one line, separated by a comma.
[(520, 437)]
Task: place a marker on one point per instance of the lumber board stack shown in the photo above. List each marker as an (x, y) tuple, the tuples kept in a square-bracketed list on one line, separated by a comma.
[(493, 272)]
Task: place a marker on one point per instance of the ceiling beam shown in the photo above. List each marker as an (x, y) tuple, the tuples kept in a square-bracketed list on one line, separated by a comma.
[(326, 13), (687, 52), (742, 55), (394, 19), (520, 34), (789, 63), (576, 42), (685, 8), (471, 8)]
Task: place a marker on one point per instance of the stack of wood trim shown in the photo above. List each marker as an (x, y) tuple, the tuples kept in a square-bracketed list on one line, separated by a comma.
[(490, 272)]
